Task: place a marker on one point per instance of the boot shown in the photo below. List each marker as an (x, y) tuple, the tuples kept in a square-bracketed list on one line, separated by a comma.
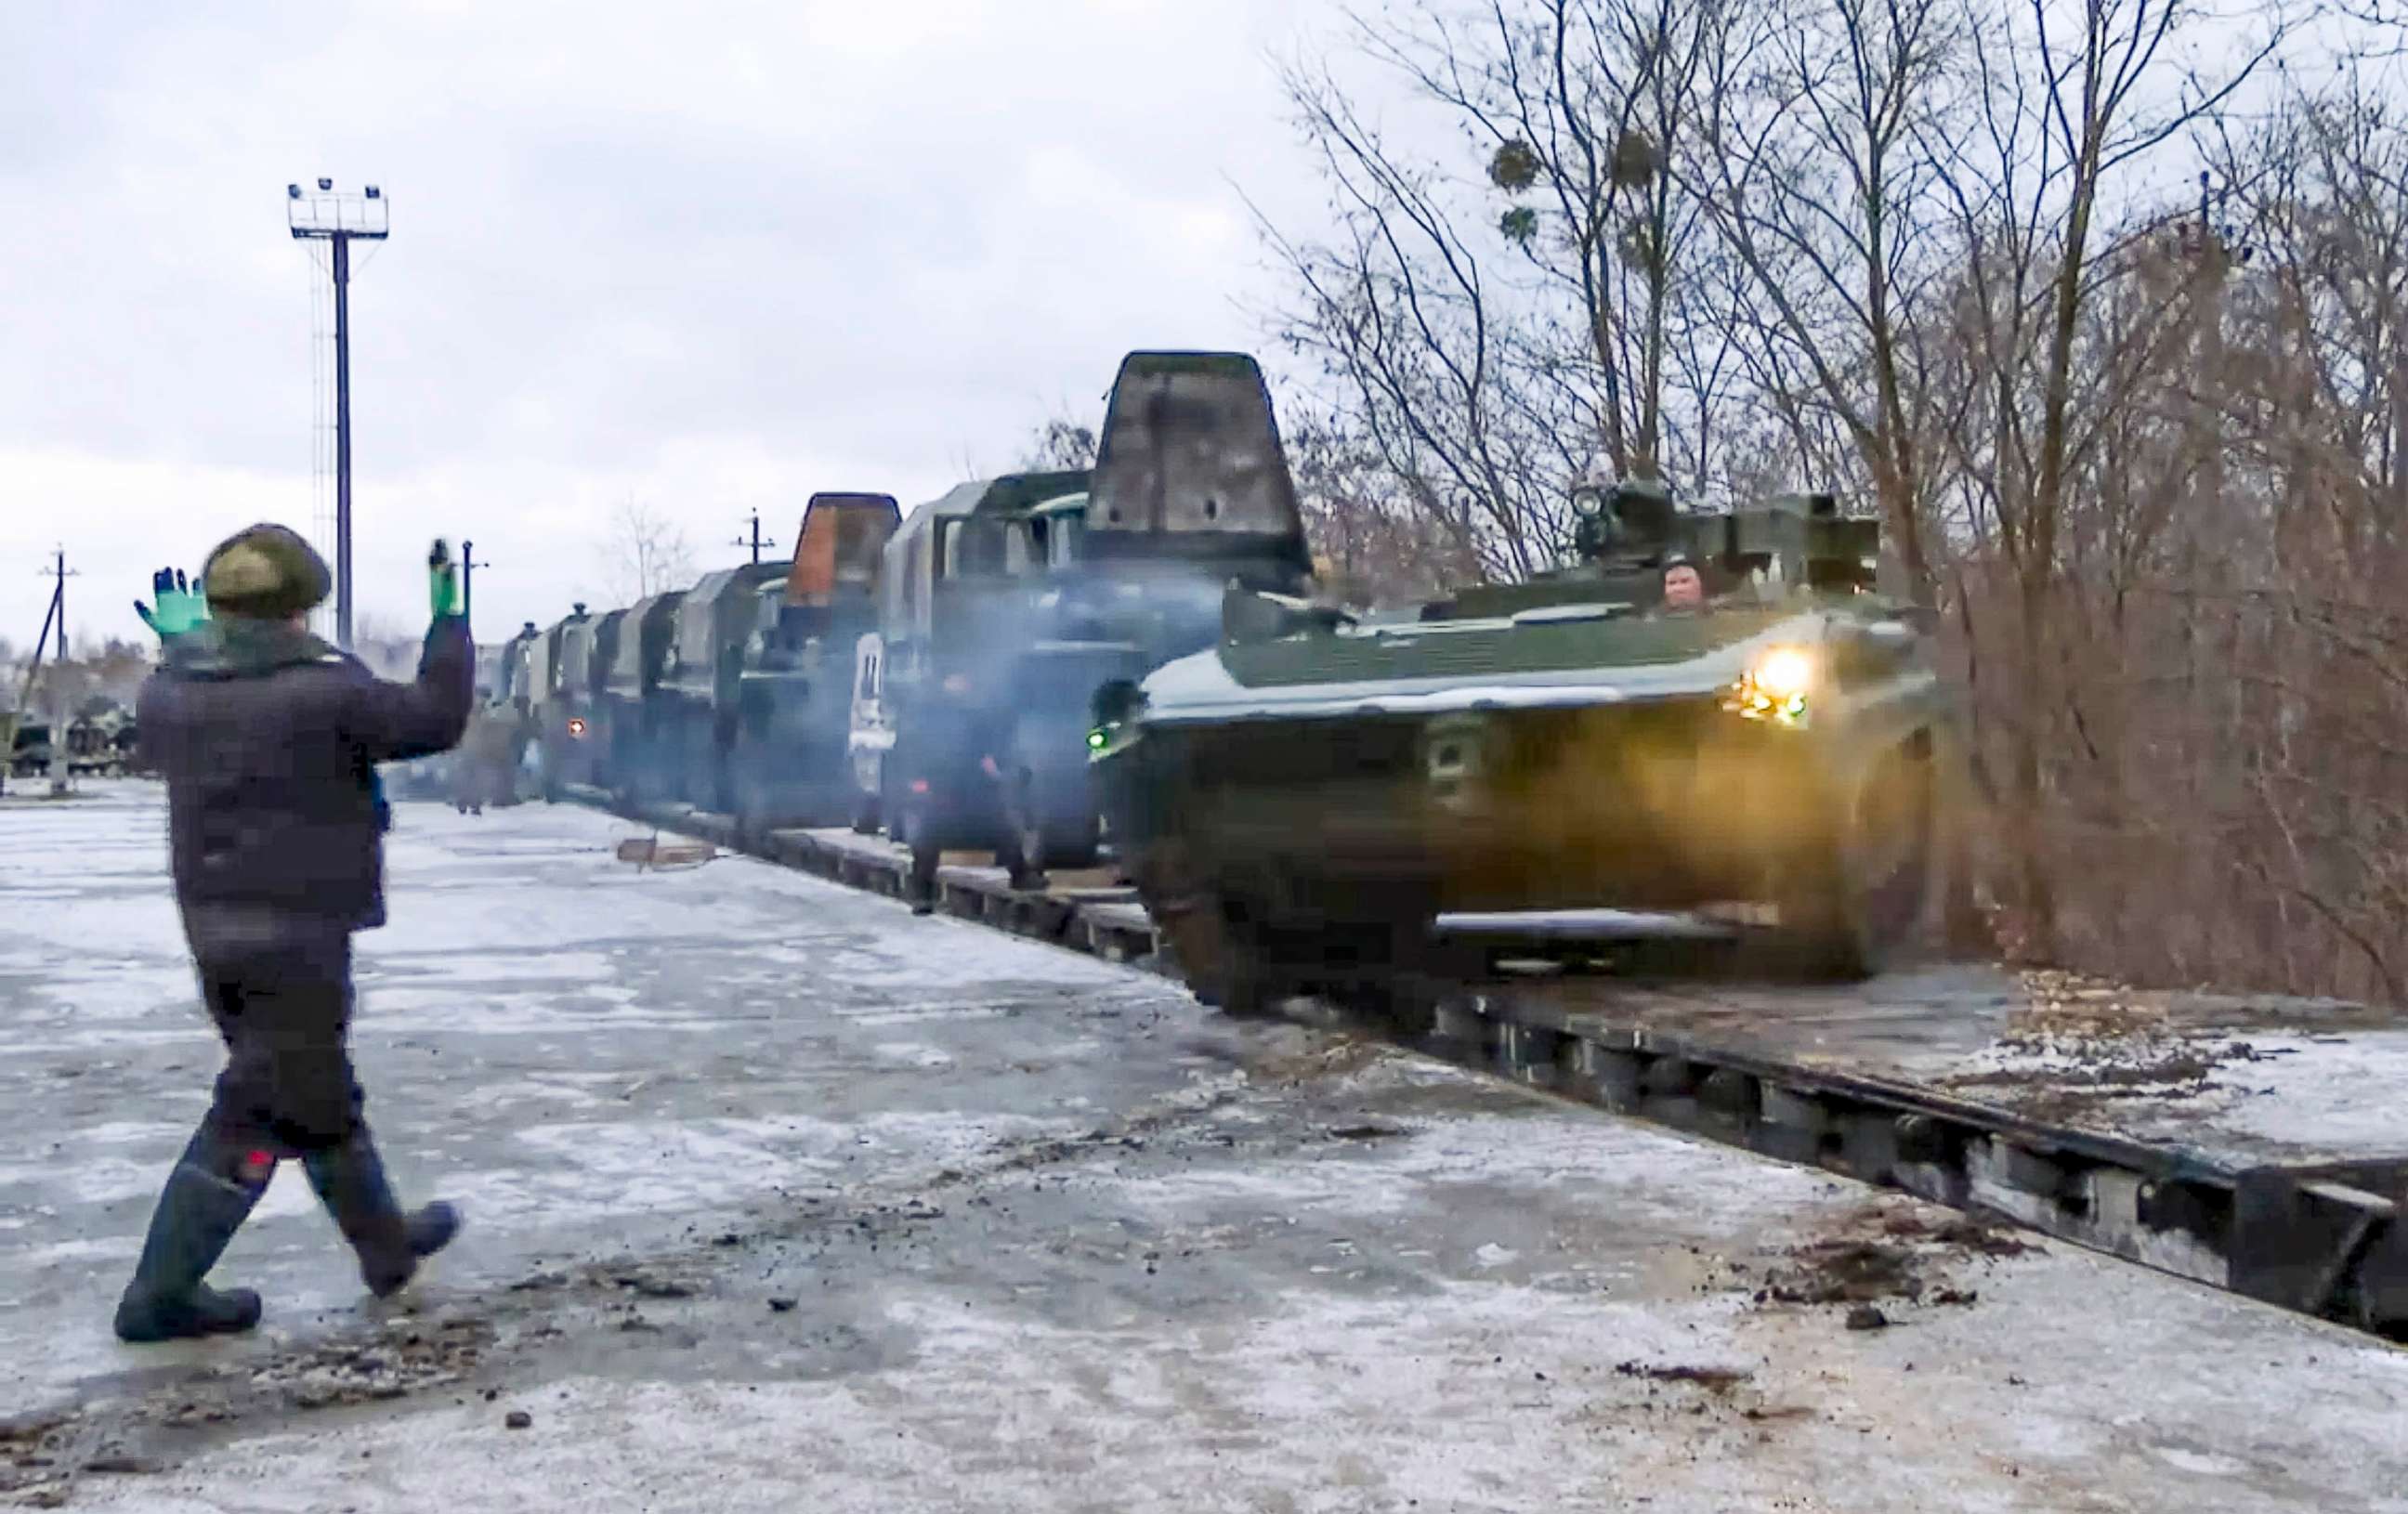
[(921, 886), (349, 1181), (208, 1195)]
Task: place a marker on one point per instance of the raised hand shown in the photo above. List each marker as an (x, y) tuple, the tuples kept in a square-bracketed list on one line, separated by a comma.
[(442, 580), (179, 608)]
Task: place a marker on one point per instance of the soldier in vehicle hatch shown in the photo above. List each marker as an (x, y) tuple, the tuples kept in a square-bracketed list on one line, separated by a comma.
[(1684, 588), (269, 740)]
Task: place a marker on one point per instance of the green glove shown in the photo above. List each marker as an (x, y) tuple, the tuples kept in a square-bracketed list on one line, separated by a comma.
[(443, 581), (180, 607)]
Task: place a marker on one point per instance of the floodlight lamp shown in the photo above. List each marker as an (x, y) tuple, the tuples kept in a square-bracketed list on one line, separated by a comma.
[(375, 194), (326, 184), (293, 192)]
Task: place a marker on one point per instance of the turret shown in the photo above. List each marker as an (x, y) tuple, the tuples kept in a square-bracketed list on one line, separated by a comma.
[(1632, 523), (1801, 541)]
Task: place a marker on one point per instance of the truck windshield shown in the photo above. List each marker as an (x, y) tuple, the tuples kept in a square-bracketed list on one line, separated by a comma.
[(976, 550)]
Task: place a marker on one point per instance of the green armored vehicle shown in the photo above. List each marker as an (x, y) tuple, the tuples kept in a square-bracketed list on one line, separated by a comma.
[(1707, 709)]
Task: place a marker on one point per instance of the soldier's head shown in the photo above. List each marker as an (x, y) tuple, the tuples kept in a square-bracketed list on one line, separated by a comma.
[(264, 573), (1683, 587)]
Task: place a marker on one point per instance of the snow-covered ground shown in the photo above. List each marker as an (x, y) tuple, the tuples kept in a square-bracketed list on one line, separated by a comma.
[(811, 1205)]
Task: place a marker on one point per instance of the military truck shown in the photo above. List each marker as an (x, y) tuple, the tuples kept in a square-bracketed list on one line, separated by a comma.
[(573, 736), (29, 749), (640, 760), (556, 663), (786, 761), (959, 670), (100, 739), (699, 681), (1300, 804), (1190, 493)]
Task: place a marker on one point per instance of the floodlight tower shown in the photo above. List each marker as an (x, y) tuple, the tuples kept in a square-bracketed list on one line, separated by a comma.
[(338, 221)]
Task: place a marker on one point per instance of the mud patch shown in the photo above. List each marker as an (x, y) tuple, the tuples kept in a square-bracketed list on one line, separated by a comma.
[(1718, 1379), (1886, 1255)]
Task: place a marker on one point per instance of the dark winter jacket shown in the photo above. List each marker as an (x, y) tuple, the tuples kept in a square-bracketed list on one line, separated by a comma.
[(268, 738)]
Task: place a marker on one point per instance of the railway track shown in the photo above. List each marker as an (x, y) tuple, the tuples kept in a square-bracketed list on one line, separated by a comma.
[(2324, 1237)]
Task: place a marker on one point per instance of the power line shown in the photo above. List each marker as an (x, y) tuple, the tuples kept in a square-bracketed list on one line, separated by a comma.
[(756, 541)]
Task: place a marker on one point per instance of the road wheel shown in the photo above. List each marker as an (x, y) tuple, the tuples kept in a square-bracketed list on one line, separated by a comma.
[(1382, 961), (1860, 904), (1216, 942)]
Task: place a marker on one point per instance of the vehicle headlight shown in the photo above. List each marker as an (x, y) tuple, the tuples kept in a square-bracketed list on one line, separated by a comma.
[(1776, 687), (1115, 709), (1786, 673)]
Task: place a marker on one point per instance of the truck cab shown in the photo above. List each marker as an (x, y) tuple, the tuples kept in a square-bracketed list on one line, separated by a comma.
[(787, 754), (957, 611)]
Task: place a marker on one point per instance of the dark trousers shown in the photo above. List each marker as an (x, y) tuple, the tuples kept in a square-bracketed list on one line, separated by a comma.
[(279, 990), (921, 825)]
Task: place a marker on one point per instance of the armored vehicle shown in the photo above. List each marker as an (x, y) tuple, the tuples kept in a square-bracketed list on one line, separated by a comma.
[(640, 760), (101, 739), (787, 763), (959, 665), (29, 749), (1299, 805), (698, 682)]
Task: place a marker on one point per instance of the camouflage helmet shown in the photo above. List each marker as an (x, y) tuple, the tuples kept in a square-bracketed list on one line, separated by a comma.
[(266, 572)]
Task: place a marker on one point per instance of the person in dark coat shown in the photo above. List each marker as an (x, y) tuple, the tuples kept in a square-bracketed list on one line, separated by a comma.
[(955, 757), (268, 739)]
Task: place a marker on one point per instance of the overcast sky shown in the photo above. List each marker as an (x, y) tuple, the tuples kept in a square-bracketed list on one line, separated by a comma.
[(713, 257)]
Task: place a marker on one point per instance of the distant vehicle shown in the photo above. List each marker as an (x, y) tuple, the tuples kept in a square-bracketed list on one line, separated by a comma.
[(640, 761), (698, 685), (29, 752), (100, 743), (1298, 804), (571, 727)]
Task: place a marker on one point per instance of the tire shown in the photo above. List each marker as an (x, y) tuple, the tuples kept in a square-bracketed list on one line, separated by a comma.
[(1860, 904), (1072, 843)]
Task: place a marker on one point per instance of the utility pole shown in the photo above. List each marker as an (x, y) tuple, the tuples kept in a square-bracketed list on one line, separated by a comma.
[(756, 541), (469, 579), (59, 713), (338, 221)]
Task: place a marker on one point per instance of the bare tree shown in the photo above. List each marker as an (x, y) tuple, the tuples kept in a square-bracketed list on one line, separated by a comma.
[(1490, 360), (1812, 163), (2071, 104), (1060, 445), (645, 553)]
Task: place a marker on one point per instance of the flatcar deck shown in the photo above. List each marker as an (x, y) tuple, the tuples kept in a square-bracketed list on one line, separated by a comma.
[(2248, 1142)]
